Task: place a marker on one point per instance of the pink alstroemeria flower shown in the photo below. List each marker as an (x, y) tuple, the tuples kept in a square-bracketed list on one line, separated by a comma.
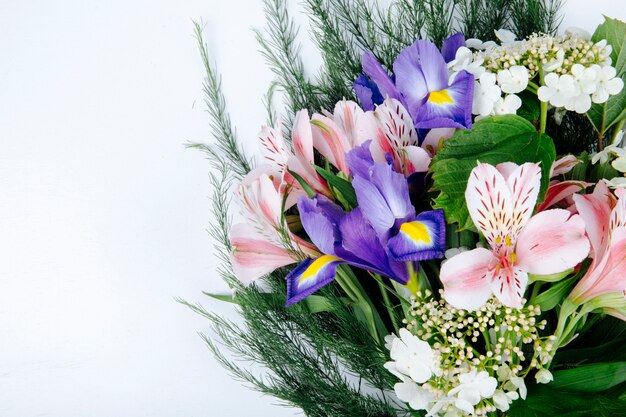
[(501, 203), (396, 136), (605, 221), (258, 246)]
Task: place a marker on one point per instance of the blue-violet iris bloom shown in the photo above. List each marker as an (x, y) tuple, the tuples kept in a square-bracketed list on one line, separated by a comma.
[(421, 82), (380, 235)]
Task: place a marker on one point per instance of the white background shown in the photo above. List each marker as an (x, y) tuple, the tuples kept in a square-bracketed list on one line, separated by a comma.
[(103, 212)]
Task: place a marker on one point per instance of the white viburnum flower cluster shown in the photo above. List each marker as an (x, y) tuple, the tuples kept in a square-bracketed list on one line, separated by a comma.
[(576, 71), (443, 369)]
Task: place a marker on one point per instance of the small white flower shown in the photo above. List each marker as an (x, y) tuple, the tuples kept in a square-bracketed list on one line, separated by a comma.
[(513, 80), (507, 105), (412, 357), (517, 383), (505, 36), (557, 89), (486, 94), (466, 60), (417, 397), (473, 387), (543, 376), (605, 52), (389, 340), (502, 400), (617, 182), (555, 63), (613, 149), (607, 84)]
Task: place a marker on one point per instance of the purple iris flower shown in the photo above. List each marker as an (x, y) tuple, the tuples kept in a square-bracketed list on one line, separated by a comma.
[(380, 235), (421, 83)]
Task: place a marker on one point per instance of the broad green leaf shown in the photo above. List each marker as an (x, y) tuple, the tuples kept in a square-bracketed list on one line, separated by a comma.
[(492, 140), (552, 297), (604, 342), (341, 188), (614, 31), (591, 378), (543, 401)]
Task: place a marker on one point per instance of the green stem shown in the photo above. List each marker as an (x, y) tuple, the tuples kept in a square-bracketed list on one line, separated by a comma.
[(601, 131), (544, 110), (618, 128), (388, 305), (349, 283)]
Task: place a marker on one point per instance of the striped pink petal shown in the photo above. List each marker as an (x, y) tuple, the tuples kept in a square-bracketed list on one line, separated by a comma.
[(552, 241), (466, 279), (330, 141), (560, 191), (490, 204)]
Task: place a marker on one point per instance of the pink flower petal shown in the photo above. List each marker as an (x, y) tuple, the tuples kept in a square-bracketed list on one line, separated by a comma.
[(302, 138), (465, 279), (524, 184), (559, 191), (490, 203), (416, 159), (509, 284), (607, 274), (552, 241), (330, 141), (253, 255), (563, 165), (595, 209)]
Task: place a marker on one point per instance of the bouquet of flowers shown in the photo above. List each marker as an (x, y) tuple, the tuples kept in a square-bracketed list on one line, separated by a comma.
[(438, 225)]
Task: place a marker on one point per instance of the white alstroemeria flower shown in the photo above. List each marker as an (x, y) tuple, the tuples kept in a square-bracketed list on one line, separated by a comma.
[(466, 60), (435, 138), (412, 357), (555, 63), (513, 80), (417, 397), (473, 387), (613, 149), (506, 37), (507, 105), (502, 400), (486, 94), (543, 376), (557, 89), (607, 84)]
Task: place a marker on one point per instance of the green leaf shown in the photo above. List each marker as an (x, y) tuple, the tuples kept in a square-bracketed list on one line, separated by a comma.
[(492, 140), (531, 109), (614, 31), (552, 297), (319, 304), (592, 378), (230, 298), (549, 278), (341, 188), (305, 186), (543, 401)]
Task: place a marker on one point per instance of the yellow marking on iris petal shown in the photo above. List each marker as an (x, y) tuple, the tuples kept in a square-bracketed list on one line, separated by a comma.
[(416, 231), (316, 266), (440, 97)]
